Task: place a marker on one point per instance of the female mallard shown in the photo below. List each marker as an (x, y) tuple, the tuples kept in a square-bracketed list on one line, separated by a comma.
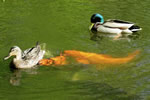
[(27, 58), (112, 26)]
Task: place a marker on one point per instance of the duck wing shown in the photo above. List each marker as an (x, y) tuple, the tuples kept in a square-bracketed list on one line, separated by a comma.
[(31, 53), (114, 23)]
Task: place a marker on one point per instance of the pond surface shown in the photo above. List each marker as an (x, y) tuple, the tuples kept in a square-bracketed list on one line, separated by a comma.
[(63, 25)]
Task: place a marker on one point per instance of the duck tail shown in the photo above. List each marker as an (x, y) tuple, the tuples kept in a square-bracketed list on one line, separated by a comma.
[(135, 28), (37, 43), (38, 46)]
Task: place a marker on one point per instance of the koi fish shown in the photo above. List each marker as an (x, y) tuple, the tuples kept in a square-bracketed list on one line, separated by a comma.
[(58, 60), (93, 58), (87, 58)]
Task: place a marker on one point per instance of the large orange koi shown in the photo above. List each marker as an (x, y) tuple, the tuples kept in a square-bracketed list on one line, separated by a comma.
[(87, 58)]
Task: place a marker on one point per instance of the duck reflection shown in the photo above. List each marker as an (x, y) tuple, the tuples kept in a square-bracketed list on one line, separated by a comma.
[(96, 36), (15, 78)]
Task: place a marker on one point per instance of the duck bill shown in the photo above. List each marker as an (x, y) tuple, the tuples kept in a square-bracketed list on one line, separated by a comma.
[(90, 28), (7, 57)]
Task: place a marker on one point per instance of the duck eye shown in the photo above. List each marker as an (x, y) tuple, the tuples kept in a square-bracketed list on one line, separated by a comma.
[(12, 50)]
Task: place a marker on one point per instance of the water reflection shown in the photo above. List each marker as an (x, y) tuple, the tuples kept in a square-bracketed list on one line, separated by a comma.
[(96, 36), (15, 78)]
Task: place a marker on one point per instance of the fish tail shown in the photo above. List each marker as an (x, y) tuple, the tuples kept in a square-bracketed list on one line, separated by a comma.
[(130, 56)]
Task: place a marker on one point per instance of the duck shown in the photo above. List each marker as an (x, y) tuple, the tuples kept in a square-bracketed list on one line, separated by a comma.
[(27, 58), (112, 26)]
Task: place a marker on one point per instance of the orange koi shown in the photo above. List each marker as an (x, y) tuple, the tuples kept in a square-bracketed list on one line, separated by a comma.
[(87, 58), (93, 58), (59, 60)]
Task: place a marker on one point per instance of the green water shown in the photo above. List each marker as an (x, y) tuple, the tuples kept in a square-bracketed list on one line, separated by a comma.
[(63, 25)]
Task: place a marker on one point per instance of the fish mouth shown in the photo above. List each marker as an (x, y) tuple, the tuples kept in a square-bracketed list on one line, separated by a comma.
[(46, 62)]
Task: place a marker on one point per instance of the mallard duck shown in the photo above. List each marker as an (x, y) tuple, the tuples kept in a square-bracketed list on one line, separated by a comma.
[(27, 58), (112, 26)]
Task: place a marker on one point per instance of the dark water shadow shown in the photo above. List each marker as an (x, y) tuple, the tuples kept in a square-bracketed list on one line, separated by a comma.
[(101, 91)]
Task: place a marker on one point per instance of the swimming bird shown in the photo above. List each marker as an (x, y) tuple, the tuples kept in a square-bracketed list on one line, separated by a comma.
[(112, 26), (26, 59)]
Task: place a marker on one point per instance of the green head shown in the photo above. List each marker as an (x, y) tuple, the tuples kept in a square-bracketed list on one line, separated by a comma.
[(97, 18)]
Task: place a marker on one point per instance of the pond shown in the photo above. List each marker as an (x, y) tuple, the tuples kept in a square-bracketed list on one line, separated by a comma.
[(63, 25)]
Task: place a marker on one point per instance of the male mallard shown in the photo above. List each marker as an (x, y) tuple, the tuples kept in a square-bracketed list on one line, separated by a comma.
[(112, 26), (27, 58)]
